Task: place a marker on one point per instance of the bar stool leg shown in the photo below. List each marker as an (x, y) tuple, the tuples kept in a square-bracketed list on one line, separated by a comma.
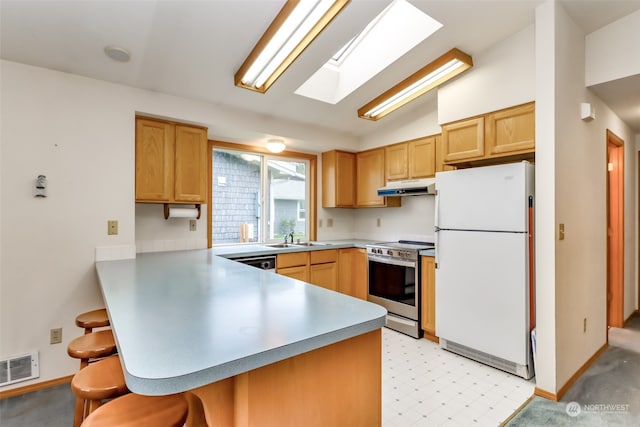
[(79, 412)]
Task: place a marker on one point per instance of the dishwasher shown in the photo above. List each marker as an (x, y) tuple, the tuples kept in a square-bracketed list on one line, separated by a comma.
[(267, 262)]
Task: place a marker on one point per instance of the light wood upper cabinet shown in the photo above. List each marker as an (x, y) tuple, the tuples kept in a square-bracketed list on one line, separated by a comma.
[(370, 175), (511, 131), (171, 162), (428, 317), (499, 134), (396, 159), (190, 164), (463, 140), (154, 160), (338, 179), (422, 157), (440, 165)]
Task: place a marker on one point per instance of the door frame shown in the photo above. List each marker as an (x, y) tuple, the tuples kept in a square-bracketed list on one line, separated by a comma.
[(615, 230)]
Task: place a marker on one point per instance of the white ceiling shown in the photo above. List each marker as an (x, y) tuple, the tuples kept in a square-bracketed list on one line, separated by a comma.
[(192, 49)]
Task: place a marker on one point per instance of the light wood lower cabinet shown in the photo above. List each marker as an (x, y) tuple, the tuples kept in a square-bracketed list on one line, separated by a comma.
[(316, 267), (352, 266), (325, 275), (300, 273), (341, 270), (428, 315)]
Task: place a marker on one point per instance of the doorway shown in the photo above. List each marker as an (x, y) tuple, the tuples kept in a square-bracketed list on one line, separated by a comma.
[(615, 230)]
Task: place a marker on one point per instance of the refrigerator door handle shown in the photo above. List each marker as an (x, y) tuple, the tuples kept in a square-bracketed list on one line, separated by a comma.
[(437, 226)]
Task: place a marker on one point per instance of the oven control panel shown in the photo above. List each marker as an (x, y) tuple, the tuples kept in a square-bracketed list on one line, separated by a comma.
[(394, 253)]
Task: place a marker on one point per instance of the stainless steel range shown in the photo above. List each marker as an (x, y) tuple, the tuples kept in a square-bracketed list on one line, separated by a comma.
[(394, 283)]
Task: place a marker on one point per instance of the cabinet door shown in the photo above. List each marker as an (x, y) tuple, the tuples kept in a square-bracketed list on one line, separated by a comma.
[(190, 164), (293, 259), (300, 273), (369, 177), (325, 275), (338, 179), (463, 140), (428, 321), (395, 160), (511, 130), (154, 160), (422, 157), (352, 272), (359, 270), (440, 166)]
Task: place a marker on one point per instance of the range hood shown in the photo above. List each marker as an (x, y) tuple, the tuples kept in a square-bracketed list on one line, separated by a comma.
[(409, 187)]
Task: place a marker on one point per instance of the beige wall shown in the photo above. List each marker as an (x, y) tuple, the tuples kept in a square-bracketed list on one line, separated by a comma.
[(571, 286), (79, 132)]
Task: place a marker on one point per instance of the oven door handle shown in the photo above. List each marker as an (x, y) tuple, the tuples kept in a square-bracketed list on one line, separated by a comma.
[(393, 261)]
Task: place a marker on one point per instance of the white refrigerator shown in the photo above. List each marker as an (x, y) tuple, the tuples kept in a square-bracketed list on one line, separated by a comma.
[(482, 264)]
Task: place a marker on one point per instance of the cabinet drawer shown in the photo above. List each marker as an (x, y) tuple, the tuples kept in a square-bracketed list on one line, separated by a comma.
[(294, 259), (321, 257)]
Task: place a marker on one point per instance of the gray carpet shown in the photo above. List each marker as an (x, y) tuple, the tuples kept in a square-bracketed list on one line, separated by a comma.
[(50, 407), (607, 394)]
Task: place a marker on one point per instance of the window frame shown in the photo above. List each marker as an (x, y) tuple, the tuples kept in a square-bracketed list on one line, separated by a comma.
[(286, 155)]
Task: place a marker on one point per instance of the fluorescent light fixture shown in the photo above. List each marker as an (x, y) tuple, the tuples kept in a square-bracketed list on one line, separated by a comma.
[(434, 74), (297, 24), (276, 145)]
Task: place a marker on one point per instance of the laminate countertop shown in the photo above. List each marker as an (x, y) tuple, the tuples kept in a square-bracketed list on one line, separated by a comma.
[(189, 318)]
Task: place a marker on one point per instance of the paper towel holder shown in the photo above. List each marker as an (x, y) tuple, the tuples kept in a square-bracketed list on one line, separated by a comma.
[(166, 210)]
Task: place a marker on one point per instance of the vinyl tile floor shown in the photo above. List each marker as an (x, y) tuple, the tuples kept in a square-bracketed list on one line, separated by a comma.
[(422, 384)]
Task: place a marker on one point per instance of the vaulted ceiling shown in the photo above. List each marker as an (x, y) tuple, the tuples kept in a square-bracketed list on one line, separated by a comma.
[(192, 49)]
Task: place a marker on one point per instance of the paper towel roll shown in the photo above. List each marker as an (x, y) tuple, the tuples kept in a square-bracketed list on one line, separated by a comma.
[(183, 212)]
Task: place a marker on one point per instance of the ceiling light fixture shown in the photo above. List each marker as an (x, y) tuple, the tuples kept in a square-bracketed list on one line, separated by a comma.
[(276, 145), (434, 74), (117, 53), (297, 24)]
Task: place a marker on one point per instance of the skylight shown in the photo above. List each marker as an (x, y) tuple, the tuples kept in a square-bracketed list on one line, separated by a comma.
[(395, 31)]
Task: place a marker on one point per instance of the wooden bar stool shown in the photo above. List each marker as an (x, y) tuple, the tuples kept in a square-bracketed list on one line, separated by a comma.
[(91, 346), (92, 319), (95, 383), (135, 410)]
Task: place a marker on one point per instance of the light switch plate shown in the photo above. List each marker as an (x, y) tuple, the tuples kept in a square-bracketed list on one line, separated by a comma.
[(112, 227)]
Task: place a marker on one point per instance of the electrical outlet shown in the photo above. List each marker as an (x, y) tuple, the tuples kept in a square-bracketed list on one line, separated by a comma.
[(584, 323), (329, 222), (193, 225), (561, 232), (320, 223), (112, 227), (377, 222), (55, 336)]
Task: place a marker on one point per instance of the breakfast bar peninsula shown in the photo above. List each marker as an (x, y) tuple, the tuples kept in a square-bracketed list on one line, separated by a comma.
[(249, 347)]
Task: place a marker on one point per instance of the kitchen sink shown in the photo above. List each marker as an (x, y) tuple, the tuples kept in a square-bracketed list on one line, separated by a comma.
[(281, 245), (310, 244), (295, 245)]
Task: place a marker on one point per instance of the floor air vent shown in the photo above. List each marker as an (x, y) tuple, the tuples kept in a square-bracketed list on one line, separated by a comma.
[(487, 359), (19, 368)]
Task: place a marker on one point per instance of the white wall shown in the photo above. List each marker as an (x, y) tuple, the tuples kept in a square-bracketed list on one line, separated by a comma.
[(611, 51), (545, 302), (574, 281), (502, 76), (80, 133)]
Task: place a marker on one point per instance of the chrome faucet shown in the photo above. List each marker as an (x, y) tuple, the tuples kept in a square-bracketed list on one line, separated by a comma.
[(291, 235)]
